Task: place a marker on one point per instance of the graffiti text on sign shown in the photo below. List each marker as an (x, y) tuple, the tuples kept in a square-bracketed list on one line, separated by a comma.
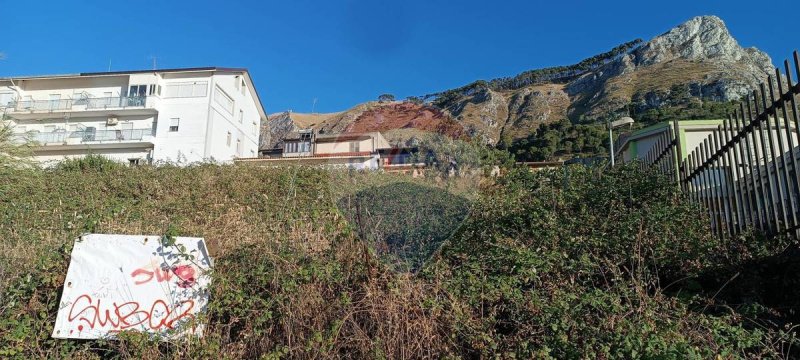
[(184, 273), (119, 317)]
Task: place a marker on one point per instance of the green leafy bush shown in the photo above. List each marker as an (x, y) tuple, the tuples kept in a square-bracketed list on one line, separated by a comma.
[(404, 222), (580, 263), (573, 264)]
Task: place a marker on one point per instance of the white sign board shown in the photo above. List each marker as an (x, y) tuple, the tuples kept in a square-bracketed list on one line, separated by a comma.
[(124, 282)]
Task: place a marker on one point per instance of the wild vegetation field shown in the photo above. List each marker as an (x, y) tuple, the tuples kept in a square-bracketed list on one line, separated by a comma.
[(570, 263)]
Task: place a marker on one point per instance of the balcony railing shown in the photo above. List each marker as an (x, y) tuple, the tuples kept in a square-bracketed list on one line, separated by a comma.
[(116, 102), (83, 136), (43, 105)]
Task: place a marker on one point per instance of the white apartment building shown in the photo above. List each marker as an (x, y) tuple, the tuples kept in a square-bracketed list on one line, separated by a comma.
[(173, 115)]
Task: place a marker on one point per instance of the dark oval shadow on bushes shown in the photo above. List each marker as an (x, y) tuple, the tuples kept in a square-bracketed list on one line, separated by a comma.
[(404, 222)]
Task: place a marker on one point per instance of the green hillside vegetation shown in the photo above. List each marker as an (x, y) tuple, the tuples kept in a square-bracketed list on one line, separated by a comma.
[(404, 222), (561, 139), (555, 74), (581, 263)]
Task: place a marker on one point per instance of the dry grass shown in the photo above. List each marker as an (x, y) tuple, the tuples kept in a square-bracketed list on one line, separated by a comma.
[(326, 294)]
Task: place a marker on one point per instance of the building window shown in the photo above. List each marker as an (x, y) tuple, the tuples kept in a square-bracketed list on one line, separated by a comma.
[(173, 124), (151, 90), (238, 147), (255, 128), (354, 146), (187, 89), (133, 162), (54, 100), (244, 87), (137, 91), (225, 101), (6, 98), (241, 116), (228, 141)]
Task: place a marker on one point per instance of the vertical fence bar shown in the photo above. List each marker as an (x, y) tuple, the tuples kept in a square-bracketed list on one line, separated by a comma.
[(656, 150), (788, 181), (766, 156), (710, 191), (681, 170), (727, 164), (720, 178), (673, 163), (691, 189), (790, 92), (794, 89), (753, 168), (759, 151), (772, 162), (717, 180), (747, 170), (697, 177), (664, 151), (733, 156)]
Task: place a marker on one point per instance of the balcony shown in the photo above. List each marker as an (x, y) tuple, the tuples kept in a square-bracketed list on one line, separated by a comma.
[(42, 105), (36, 108), (87, 136)]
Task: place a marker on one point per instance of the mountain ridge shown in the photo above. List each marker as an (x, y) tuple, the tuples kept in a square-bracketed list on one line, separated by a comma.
[(684, 71)]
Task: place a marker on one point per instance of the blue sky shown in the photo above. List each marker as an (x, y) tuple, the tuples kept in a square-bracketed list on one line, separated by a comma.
[(346, 52)]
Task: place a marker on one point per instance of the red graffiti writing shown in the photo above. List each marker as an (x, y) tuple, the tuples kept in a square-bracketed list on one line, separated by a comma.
[(184, 273), (119, 317)]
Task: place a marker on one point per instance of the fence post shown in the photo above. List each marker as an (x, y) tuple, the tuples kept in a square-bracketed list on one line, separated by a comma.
[(681, 171)]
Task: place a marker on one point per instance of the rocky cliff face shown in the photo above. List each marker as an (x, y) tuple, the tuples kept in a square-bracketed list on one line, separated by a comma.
[(699, 57), (696, 62)]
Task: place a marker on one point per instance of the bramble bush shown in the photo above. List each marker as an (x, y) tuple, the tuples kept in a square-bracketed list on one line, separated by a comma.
[(574, 263)]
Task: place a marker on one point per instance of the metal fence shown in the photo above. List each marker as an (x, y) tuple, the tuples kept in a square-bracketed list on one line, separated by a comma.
[(90, 103), (83, 136), (745, 172)]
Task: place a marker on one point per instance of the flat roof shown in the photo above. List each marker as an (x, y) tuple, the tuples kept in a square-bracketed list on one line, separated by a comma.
[(261, 109), (126, 72)]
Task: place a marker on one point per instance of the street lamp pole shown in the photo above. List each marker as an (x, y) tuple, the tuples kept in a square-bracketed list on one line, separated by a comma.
[(611, 143), (611, 125)]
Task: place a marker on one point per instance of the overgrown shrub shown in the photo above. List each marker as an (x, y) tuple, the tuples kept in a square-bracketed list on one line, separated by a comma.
[(573, 264), (580, 263), (404, 222)]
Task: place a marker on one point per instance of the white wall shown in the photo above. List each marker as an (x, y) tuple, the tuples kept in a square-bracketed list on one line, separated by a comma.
[(203, 122), (188, 143), (121, 155)]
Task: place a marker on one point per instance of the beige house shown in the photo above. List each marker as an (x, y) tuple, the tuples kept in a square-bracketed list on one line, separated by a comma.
[(306, 147)]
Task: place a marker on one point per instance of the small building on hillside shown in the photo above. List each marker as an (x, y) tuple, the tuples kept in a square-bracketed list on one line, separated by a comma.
[(638, 143), (306, 147), (691, 133)]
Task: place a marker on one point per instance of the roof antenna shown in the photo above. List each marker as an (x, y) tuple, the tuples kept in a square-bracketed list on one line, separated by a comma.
[(313, 105), (109, 65), (155, 61)]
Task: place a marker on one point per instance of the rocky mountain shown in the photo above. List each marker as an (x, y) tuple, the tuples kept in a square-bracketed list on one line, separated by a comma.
[(400, 122), (686, 72)]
